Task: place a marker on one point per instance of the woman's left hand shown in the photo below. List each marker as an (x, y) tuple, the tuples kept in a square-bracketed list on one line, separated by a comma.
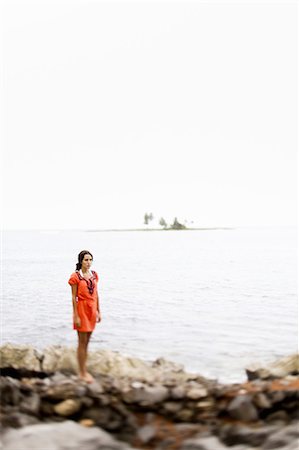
[(99, 317)]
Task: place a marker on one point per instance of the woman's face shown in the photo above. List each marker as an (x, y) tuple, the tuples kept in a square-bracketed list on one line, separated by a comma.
[(86, 262)]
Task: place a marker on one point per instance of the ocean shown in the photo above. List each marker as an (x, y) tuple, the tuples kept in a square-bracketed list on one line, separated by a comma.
[(213, 300)]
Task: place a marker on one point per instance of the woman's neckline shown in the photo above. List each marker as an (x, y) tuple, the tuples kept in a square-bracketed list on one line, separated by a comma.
[(84, 276)]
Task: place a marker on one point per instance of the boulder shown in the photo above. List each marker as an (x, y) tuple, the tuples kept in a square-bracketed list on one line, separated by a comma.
[(278, 369), (145, 395), (66, 435), (20, 357), (242, 408)]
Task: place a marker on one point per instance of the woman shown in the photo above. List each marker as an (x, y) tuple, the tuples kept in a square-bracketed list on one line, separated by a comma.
[(86, 307)]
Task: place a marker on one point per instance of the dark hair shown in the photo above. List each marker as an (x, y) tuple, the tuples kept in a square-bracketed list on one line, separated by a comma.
[(81, 257)]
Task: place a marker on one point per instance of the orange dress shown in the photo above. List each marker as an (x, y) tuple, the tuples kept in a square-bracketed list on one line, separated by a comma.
[(86, 300)]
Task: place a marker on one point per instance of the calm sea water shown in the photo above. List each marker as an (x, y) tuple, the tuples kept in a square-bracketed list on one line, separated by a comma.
[(213, 300)]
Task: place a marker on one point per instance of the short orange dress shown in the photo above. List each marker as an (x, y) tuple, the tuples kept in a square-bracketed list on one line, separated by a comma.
[(86, 299)]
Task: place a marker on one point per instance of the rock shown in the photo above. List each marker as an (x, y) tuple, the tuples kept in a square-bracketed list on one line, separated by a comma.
[(60, 359), (242, 408), (95, 389), (241, 434), (9, 391), (184, 415), (18, 420), (178, 392), (205, 404), (19, 357), (172, 407), (67, 407), (30, 404), (146, 433), (278, 369), (101, 416), (87, 423), (64, 390), (261, 401), (287, 436), (278, 416), (203, 443), (169, 366), (146, 395), (67, 435), (195, 393)]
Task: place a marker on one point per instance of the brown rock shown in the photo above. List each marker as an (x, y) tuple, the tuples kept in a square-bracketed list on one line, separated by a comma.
[(68, 407), (87, 423)]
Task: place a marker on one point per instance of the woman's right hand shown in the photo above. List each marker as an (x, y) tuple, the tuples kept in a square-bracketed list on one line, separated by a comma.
[(77, 321)]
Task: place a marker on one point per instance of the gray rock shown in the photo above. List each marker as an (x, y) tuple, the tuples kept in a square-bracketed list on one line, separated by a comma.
[(146, 395), (30, 404), (242, 408), (18, 420), (67, 435), (146, 433), (9, 391)]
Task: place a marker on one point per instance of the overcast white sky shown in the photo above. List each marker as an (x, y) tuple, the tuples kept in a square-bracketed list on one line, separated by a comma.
[(113, 109)]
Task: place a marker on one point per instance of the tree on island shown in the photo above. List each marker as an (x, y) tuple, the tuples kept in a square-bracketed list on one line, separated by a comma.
[(163, 223), (148, 218), (177, 225)]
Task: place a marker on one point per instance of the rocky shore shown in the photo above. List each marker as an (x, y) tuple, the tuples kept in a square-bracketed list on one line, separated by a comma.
[(141, 405)]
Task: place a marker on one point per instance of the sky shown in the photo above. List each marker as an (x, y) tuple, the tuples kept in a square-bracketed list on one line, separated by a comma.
[(184, 109)]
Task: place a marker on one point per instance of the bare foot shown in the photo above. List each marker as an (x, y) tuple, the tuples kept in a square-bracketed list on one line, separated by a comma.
[(90, 378), (87, 377)]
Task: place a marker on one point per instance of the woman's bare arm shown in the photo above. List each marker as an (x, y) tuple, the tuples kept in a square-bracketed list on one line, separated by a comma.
[(77, 319)]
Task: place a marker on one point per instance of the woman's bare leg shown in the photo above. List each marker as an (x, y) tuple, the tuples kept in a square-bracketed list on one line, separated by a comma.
[(83, 339)]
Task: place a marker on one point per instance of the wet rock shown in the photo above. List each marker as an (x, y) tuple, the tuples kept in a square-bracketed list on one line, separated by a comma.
[(19, 356), (278, 369), (242, 408), (67, 407), (67, 435)]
